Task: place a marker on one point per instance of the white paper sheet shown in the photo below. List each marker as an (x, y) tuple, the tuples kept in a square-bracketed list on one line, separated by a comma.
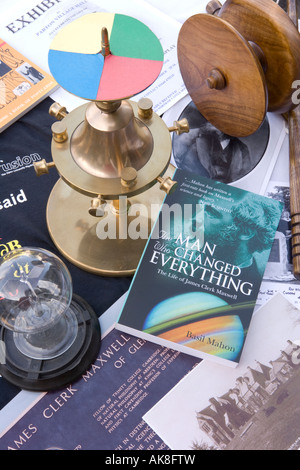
[(181, 11)]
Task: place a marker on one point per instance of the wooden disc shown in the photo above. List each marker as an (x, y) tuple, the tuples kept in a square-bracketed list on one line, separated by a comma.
[(266, 24), (208, 46)]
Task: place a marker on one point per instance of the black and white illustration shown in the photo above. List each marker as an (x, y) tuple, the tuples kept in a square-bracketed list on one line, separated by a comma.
[(246, 162), (207, 151), (280, 264), (253, 407), (30, 73)]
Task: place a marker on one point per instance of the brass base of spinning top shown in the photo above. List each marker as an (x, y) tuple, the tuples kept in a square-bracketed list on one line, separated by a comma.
[(80, 242), (108, 155)]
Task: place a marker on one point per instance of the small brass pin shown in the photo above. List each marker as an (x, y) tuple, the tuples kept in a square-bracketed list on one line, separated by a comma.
[(105, 49)]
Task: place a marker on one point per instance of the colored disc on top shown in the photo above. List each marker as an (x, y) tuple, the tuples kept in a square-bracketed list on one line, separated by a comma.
[(77, 64)]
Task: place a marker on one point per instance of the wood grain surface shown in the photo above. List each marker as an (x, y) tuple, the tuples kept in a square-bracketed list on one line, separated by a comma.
[(294, 143), (267, 25), (208, 46), (239, 62)]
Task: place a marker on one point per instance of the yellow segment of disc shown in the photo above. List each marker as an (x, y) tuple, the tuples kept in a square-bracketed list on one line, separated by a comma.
[(83, 36)]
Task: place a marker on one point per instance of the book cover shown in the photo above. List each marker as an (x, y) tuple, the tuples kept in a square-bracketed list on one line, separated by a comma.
[(196, 285), (22, 85)]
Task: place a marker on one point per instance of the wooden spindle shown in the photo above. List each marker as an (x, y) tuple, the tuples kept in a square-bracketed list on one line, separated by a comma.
[(294, 144)]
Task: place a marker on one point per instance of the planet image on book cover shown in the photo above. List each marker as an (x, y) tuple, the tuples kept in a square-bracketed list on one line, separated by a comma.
[(198, 320)]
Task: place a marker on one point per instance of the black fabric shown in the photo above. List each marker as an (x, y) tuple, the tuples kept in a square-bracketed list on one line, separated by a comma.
[(7, 392), (23, 201)]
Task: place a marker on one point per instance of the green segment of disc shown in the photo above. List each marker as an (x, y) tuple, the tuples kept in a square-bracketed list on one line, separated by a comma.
[(131, 38)]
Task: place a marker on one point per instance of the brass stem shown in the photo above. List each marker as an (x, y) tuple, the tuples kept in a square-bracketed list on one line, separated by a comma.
[(105, 50), (120, 205)]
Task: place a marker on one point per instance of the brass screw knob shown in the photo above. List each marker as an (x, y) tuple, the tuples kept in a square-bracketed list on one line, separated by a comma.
[(145, 108), (57, 111), (95, 209), (59, 132), (128, 177), (180, 127), (167, 184), (42, 167)]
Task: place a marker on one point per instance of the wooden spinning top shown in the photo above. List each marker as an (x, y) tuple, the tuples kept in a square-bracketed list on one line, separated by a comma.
[(239, 62)]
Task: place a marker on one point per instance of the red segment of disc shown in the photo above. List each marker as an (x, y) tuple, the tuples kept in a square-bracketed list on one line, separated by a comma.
[(123, 76)]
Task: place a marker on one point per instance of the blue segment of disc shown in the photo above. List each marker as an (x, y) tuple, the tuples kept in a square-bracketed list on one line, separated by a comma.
[(77, 73)]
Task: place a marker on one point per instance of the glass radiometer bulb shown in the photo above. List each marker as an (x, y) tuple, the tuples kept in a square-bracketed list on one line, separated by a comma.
[(35, 297)]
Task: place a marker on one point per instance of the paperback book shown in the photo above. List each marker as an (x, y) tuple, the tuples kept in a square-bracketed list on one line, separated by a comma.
[(22, 85), (197, 282)]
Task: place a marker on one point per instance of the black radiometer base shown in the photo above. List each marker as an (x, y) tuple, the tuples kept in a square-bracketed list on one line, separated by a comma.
[(46, 375)]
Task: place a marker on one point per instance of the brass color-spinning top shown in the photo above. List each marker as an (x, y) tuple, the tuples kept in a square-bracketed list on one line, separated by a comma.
[(111, 153)]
